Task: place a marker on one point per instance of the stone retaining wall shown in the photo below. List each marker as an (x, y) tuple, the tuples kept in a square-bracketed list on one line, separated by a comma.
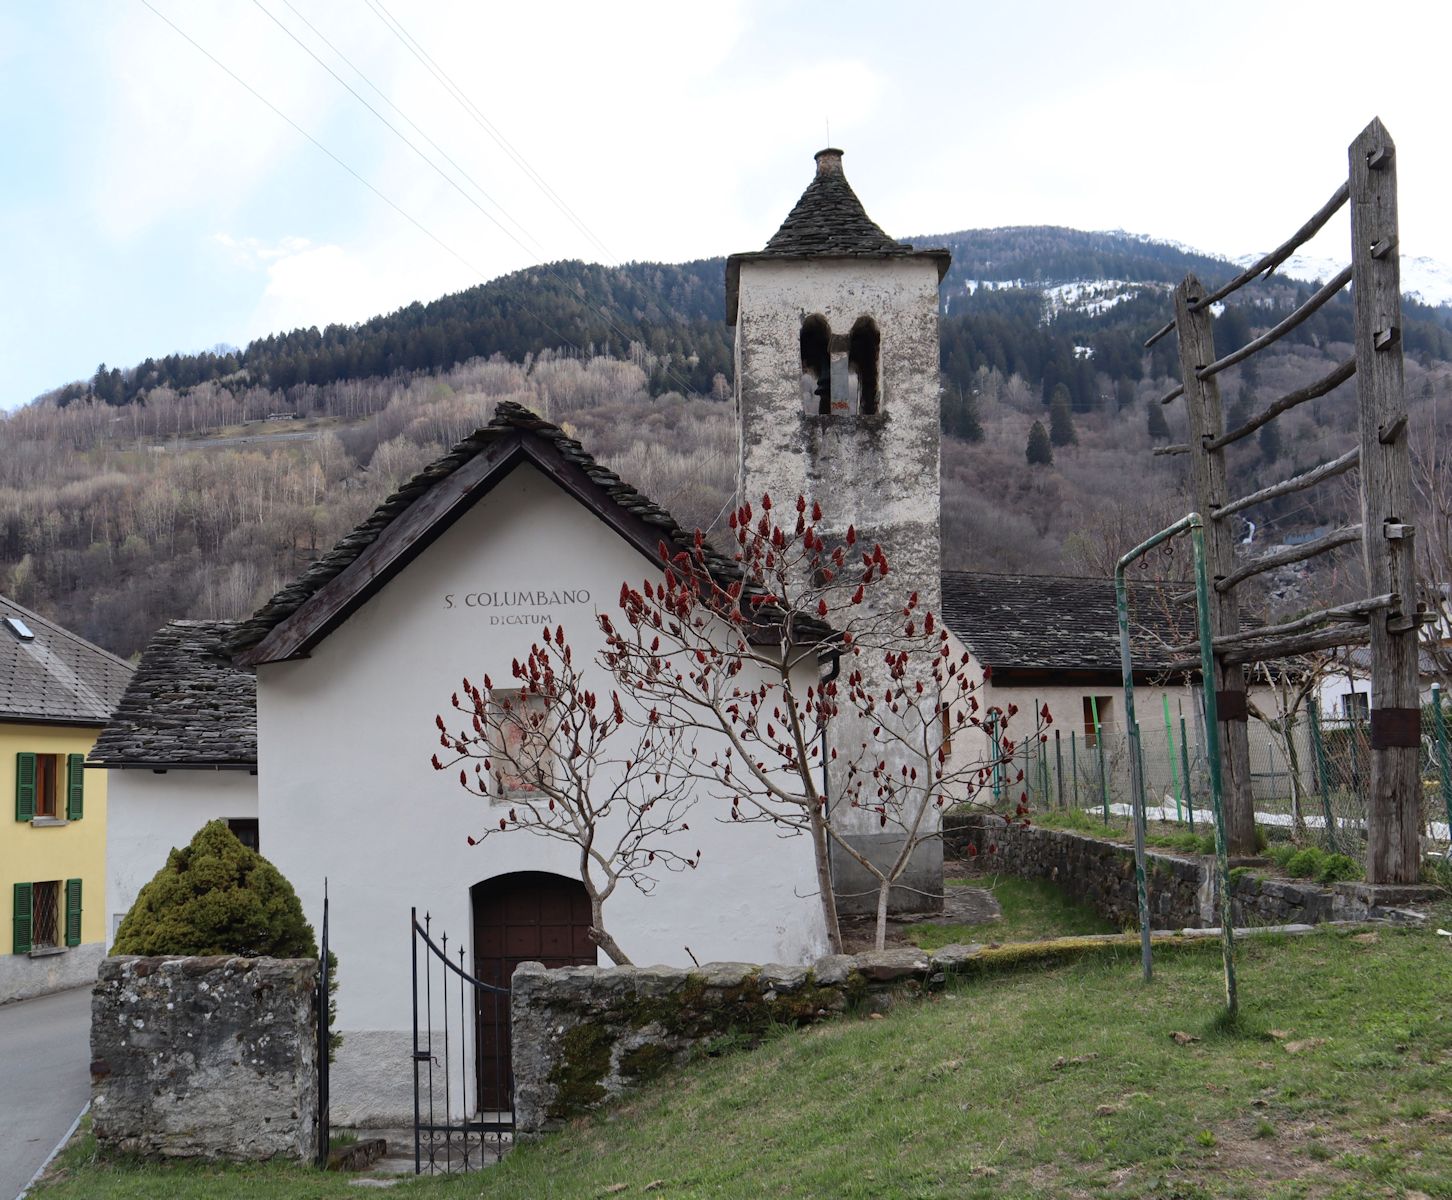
[(205, 1057), (1182, 888), (584, 1034)]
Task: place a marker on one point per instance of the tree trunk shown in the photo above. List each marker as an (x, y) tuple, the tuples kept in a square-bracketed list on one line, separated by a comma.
[(1293, 765), (822, 849), (601, 938), (884, 888)]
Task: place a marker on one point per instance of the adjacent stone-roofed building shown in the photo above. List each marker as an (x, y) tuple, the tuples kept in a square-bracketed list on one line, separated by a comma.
[(48, 674), (1062, 628), (187, 705)]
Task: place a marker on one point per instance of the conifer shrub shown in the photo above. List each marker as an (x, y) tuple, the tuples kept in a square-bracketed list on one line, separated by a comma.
[(216, 896)]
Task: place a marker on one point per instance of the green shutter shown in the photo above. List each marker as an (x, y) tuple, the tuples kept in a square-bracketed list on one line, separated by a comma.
[(75, 786), (73, 912), (24, 907), (24, 787)]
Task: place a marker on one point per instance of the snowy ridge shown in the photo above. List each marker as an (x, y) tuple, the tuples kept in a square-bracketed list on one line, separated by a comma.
[(1423, 279)]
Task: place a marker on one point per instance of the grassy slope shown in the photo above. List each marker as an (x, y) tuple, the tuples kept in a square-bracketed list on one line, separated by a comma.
[(966, 1095), (1032, 909)]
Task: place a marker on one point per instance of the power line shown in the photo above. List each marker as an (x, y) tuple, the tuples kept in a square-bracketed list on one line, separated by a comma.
[(610, 323), (414, 47)]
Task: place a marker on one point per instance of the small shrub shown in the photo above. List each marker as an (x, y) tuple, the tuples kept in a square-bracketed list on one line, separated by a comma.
[(216, 896), (1262, 842), (1281, 853), (1339, 866), (1306, 863)]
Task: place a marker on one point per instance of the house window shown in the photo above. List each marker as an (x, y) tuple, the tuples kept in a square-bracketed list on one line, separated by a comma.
[(1102, 707), (46, 916), (245, 830), (522, 738), (49, 787), (1356, 706)]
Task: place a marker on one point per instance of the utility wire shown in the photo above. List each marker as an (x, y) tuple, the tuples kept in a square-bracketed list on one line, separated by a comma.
[(414, 47), (412, 220), (579, 294)]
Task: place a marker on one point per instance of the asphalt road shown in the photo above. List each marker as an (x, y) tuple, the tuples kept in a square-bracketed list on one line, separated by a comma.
[(45, 1081)]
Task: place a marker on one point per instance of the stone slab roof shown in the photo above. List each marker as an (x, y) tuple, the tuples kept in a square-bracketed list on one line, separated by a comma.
[(55, 676), (1062, 624), (186, 706), (828, 221), (510, 419)]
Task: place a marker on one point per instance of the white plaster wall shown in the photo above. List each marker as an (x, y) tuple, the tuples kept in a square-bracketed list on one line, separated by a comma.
[(150, 814), (347, 792)]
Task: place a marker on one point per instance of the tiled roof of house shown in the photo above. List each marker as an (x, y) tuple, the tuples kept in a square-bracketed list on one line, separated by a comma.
[(54, 675), (186, 706), (1062, 623), (509, 419)]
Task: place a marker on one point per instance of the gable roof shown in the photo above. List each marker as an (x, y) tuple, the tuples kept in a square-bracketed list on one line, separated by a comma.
[(187, 705), (55, 677), (1064, 627), (827, 222), (302, 614)]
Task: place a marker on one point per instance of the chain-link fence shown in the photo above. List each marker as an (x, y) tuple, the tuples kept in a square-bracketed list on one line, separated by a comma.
[(1310, 780)]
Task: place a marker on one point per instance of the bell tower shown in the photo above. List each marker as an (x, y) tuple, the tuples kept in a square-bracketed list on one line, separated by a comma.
[(837, 399)]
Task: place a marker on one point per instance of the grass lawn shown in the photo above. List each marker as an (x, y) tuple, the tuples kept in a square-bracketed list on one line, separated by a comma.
[(1051, 1081), (1032, 909)]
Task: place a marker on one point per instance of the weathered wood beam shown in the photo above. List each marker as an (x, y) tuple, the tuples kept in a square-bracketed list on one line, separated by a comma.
[(1279, 330), (1173, 448), (1297, 483), (1207, 479), (1266, 651), (1174, 393), (1281, 558), (1393, 845), (1162, 331), (1356, 610), (1282, 252), (1311, 392)]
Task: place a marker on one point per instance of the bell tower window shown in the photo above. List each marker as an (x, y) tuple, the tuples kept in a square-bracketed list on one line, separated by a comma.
[(816, 342), (862, 347)]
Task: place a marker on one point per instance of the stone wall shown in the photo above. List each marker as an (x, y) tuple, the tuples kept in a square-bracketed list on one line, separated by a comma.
[(205, 1057), (1098, 871), (585, 1034), (1182, 888)]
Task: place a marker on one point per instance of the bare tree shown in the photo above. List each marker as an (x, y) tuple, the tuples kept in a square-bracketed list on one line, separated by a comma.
[(562, 765), (1432, 490), (1290, 682)]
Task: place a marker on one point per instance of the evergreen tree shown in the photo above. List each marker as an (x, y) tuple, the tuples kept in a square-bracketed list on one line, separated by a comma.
[(1039, 451), (960, 416), (1159, 428), (1061, 419)]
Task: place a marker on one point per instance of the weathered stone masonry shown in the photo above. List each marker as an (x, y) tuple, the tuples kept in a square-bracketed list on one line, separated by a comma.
[(205, 1057), (585, 1034)]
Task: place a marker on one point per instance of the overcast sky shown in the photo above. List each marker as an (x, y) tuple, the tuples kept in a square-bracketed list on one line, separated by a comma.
[(149, 203)]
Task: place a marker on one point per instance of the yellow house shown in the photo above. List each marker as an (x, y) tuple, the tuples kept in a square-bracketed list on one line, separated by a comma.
[(56, 692)]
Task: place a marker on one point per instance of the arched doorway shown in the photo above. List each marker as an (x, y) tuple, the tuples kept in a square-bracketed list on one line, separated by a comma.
[(525, 916)]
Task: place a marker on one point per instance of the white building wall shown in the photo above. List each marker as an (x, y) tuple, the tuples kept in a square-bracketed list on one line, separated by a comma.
[(152, 813), (347, 792)]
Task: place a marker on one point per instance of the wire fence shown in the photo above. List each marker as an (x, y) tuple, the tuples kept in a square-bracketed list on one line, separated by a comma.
[(1309, 782)]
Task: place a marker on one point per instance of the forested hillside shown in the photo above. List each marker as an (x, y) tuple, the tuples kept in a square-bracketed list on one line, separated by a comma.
[(164, 489)]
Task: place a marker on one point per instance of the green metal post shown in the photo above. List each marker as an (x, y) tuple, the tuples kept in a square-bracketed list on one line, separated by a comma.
[(1059, 768), (1174, 770), (1074, 762), (1099, 745), (1318, 748), (1439, 726), (997, 758), (1193, 523), (1185, 773)]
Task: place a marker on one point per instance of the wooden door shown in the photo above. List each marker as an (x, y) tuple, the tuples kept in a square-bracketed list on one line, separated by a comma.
[(528, 916)]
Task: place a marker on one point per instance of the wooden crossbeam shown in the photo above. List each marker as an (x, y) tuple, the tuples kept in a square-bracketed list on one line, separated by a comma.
[(1310, 392), (1279, 330), (1356, 610), (1281, 558), (1267, 651), (1297, 483)]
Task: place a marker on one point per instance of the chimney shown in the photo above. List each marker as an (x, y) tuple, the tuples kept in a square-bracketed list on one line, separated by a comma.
[(829, 162)]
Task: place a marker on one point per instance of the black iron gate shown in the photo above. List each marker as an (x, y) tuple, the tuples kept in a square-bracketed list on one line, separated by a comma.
[(325, 1037), (453, 1013)]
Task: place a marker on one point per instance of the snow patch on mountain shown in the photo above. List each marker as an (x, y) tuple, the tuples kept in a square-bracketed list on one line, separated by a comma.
[(1424, 279)]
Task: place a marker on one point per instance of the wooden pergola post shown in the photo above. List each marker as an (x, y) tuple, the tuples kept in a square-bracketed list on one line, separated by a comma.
[(1207, 477), (1393, 846)]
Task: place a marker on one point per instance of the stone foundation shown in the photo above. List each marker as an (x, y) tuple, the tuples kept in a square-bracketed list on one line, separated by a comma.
[(46, 971), (212, 1058)]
